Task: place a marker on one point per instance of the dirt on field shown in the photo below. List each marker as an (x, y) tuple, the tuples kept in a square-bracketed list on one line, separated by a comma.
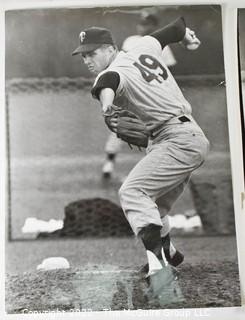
[(106, 287)]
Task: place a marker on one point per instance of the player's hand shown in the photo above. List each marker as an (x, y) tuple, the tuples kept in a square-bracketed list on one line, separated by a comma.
[(109, 109), (114, 123), (190, 41)]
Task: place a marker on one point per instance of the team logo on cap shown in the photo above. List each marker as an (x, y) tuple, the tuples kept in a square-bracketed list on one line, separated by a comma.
[(82, 36)]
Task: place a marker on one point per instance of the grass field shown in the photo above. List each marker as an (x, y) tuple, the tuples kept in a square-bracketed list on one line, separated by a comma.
[(57, 143)]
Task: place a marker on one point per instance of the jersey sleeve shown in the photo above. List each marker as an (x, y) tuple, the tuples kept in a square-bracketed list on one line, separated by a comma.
[(109, 79), (173, 32)]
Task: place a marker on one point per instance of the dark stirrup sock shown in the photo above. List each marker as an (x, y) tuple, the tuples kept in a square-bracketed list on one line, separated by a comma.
[(151, 238)]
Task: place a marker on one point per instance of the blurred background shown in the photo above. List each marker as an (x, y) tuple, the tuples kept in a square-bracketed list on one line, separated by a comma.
[(56, 135), (39, 42)]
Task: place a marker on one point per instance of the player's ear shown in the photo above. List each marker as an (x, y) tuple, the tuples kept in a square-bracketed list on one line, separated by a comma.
[(111, 48)]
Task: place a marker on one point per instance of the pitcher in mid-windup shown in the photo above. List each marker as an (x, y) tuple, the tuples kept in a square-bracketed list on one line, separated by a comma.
[(136, 87)]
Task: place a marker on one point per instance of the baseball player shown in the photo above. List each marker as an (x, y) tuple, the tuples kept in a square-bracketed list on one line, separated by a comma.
[(137, 87), (148, 23)]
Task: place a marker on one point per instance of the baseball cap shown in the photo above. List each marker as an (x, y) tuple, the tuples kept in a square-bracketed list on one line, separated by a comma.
[(92, 38)]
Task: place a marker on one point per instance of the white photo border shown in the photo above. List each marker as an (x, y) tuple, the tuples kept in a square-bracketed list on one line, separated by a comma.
[(229, 21)]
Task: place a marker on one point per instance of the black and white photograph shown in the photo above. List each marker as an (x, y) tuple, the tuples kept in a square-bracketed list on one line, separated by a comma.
[(120, 190)]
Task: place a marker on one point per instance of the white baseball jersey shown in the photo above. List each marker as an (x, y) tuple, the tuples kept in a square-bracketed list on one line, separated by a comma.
[(146, 85), (167, 54)]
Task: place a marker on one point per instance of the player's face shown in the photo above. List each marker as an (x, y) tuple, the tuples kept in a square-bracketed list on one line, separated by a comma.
[(97, 60)]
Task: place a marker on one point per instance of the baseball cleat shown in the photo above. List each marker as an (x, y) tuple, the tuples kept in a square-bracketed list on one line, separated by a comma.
[(176, 259), (172, 256)]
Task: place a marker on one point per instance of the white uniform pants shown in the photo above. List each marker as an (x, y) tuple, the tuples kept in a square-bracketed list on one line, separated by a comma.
[(163, 172)]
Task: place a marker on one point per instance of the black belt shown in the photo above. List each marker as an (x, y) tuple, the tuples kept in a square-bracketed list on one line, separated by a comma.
[(184, 119)]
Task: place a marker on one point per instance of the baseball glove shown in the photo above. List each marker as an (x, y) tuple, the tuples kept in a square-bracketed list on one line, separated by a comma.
[(128, 126)]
